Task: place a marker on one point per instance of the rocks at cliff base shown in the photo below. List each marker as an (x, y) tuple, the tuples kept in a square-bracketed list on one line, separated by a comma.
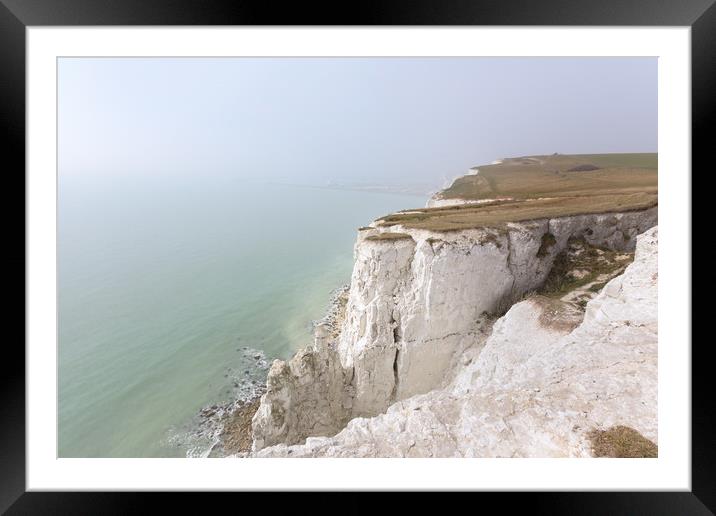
[(333, 319), (309, 394), (223, 427), (305, 396), (536, 387)]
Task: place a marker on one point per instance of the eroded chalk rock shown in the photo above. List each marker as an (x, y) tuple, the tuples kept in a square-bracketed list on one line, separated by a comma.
[(536, 389), (413, 304)]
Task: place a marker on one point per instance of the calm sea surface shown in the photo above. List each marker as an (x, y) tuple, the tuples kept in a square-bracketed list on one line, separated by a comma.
[(170, 291)]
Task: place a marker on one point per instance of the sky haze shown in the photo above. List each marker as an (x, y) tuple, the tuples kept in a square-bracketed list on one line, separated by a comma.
[(320, 120)]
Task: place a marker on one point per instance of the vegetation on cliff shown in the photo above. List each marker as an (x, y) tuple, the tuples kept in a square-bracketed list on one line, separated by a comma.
[(538, 187), (497, 213), (558, 175)]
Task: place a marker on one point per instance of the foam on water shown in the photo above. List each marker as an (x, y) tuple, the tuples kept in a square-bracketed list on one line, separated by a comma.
[(201, 436)]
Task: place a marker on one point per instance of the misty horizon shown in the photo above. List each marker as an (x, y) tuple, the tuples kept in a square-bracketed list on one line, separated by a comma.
[(326, 121)]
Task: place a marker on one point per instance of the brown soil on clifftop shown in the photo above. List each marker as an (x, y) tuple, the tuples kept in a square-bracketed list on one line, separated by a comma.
[(622, 442)]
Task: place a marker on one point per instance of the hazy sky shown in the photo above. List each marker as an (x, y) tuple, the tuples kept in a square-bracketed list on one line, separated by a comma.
[(311, 120)]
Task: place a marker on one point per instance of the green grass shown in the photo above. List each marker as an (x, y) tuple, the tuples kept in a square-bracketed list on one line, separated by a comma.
[(496, 214), (642, 159), (593, 260), (538, 187), (622, 442), (532, 177), (548, 241), (597, 287)]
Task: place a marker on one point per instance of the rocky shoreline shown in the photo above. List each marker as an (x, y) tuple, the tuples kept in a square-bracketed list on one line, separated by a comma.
[(223, 428), (233, 421), (236, 436), (335, 313)]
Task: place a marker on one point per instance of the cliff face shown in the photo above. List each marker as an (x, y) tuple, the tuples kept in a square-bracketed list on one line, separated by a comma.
[(536, 387), (418, 299)]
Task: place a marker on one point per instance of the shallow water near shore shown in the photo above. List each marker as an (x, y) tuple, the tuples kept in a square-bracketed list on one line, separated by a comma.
[(175, 296)]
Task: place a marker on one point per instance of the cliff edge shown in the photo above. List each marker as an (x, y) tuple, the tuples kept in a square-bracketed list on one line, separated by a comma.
[(430, 295), (537, 387)]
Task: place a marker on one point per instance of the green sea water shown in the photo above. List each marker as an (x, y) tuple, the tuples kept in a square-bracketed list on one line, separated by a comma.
[(169, 290)]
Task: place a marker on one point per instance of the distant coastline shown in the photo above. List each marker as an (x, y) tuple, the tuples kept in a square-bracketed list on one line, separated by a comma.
[(409, 190)]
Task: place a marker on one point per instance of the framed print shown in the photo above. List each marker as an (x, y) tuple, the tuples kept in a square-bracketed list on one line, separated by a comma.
[(421, 248)]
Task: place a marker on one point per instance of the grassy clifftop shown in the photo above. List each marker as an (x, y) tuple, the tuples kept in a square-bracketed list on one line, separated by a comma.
[(495, 214), (535, 187), (561, 175)]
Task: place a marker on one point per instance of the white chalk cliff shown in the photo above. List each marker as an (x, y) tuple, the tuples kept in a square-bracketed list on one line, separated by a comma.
[(420, 367), (533, 388)]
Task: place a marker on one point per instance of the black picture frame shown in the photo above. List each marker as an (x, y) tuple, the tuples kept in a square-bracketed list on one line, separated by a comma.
[(16, 15)]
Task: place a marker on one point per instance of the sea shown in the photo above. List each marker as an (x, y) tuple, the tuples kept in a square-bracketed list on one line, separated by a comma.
[(176, 295)]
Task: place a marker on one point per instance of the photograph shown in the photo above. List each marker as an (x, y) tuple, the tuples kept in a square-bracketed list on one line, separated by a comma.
[(427, 248), (357, 257)]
